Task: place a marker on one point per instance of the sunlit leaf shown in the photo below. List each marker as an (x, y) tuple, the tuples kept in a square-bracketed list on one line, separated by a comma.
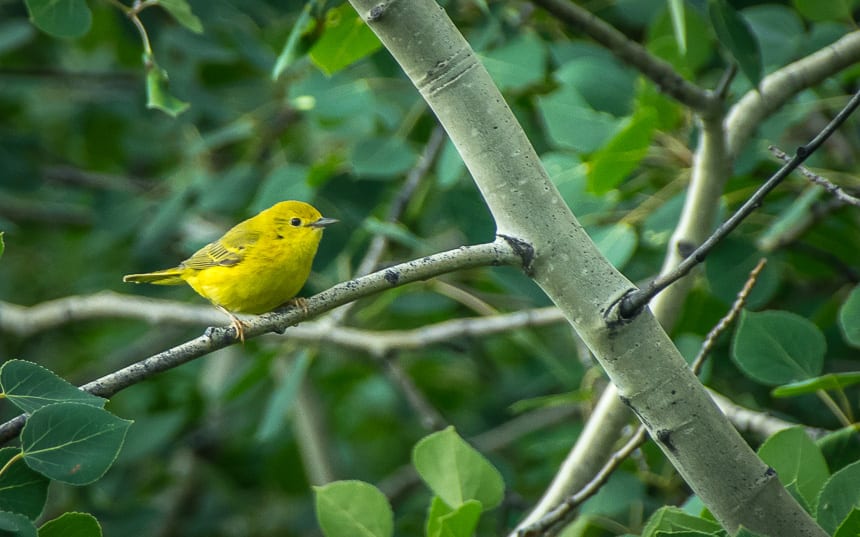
[(157, 95), (455, 471), (345, 39), (353, 509)]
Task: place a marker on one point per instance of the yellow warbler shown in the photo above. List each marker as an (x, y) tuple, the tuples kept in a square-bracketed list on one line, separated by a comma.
[(256, 266)]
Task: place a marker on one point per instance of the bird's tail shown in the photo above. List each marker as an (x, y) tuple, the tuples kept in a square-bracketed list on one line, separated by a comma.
[(171, 276)]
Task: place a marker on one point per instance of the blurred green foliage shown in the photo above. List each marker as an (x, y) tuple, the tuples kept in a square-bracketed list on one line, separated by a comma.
[(94, 185)]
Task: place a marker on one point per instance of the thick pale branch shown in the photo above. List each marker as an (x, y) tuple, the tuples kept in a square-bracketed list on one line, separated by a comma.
[(638, 356), (782, 85)]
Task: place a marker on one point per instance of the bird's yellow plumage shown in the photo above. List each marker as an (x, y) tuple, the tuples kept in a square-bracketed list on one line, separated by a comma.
[(256, 266)]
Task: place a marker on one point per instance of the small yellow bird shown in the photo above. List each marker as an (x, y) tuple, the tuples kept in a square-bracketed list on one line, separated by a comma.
[(256, 266)]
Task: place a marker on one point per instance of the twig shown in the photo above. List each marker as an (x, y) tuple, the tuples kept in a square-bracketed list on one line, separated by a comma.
[(711, 338), (634, 301), (635, 55), (560, 514), (494, 253), (830, 187), (431, 419), (556, 517)]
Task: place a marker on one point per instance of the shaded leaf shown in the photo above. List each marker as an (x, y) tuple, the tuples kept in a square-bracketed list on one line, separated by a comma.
[(735, 34), (71, 525), (849, 318), (290, 51), (30, 386), (16, 525), (22, 490), (67, 18), (777, 347), (72, 442), (831, 381)]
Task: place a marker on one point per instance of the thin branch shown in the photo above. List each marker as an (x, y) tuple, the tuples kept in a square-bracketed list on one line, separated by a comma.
[(632, 53), (560, 515), (24, 321), (398, 205), (495, 253), (737, 305), (634, 301), (779, 87), (831, 188), (431, 419)]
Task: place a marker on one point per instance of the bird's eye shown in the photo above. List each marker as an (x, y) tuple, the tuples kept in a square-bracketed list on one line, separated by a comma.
[(296, 222)]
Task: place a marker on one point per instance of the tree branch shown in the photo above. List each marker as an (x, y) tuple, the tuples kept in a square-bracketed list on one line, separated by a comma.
[(498, 252), (780, 86), (637, 354), (638, 299), (632, 53)]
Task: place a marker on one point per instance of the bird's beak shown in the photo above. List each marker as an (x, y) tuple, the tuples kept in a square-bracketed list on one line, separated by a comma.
[(323, 222)]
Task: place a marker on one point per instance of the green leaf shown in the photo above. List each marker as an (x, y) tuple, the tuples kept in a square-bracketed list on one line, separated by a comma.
[(2, 244), (71, 525), (673, 519), (353, 509), (16, 525), (679, 27), (382, 158), (30, 386), (22, 490), (796, 459), (622, 154), (830, 381), (283, 398), (849, 317), (181, 11), (572, 123), (290, 51), (157, 96), (850, 526), (617, 242), (777, 347), (729, 266), (455, 471), (735, 34), (72, 442), (841, 447), (345, 39), (442, 521), (839, 497), (815, 10), (66, 18), (518, 64)]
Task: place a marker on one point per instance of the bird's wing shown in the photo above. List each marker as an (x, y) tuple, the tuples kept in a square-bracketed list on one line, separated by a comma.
[(227, 251)]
